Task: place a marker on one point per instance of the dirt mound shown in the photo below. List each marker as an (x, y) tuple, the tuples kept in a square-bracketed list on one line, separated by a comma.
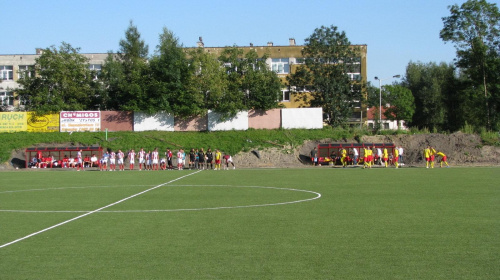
[(462, 150)]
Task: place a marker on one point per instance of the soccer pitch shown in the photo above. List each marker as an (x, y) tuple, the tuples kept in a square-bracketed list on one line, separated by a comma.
[(311, 223)]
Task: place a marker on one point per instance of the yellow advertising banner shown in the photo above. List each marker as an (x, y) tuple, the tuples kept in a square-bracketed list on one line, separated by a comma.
[(45, 123), (13, 121)]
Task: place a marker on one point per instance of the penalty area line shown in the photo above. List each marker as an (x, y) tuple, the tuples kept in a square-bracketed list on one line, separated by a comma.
[(95, 211)]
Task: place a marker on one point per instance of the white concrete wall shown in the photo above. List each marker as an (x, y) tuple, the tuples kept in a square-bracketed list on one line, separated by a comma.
[(239, 122), (308, 118), (159, 121)]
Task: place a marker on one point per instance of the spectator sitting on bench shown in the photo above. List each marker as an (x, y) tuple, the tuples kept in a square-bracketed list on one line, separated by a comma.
[(65, 162), (71, 162), (86, 161), (93, 161)]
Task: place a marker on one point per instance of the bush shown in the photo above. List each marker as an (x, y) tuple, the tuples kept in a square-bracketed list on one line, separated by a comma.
[(491, 138), (467, 128)]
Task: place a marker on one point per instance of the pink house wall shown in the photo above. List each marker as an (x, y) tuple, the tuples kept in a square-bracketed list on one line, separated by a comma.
[(259, 119), (117, 121), (191, 124)]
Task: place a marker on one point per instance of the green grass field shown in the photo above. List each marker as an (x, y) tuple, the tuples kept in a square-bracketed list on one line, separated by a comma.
[(311, 223)]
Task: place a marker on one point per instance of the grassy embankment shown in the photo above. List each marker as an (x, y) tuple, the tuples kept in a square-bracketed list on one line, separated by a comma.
[(228, 141)]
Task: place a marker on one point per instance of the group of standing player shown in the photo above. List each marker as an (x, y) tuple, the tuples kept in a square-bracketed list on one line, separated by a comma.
[(150, 160), (383, 157), (430, 157)]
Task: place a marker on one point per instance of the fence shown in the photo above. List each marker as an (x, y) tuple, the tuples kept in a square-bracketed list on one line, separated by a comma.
[(69, 121)]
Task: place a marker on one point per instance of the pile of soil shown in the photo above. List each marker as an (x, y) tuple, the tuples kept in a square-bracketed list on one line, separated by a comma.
[(462, 150)]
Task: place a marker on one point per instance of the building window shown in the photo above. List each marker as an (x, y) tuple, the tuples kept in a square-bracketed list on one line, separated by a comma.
[(229, 67), (354, 76), (96, 68), (285, 96), (26, 71), (300, 60), (386, 125), (6, 72), (7, 98), (280, 65)]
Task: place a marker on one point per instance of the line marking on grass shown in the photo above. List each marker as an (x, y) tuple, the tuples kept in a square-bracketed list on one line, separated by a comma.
[(318, 195), (95, 211), (71, 188)]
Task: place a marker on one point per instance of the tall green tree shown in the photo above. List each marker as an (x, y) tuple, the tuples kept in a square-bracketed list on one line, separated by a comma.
[(170, 78), (208, 80), (430, 85), (250, 83), (402, 103), (63, 82), (126, 74), (261, 85), (329, 57), (233, 99), (373, 96), (474, 29)]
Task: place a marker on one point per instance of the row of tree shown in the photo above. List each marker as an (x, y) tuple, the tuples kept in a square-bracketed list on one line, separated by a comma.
[(446, 96), (191, 83), (437, 96), (171, 80)]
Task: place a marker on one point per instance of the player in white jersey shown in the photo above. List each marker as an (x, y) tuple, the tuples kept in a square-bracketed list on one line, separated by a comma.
[(142, 155), (155, 157), (179, 159), (148, 160), (79, 163), (131, 158), (112, 161), (120, 155)]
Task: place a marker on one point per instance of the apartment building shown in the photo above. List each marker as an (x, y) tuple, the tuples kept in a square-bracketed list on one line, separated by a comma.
[(15, 66), (284, 60)]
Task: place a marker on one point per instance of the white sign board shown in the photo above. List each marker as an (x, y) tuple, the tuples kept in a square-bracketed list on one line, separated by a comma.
[(308, 118), (80, 121)]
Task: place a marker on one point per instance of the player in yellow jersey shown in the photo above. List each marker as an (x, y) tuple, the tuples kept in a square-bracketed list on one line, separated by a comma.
[(343, 158), (365, 157), (427, 155), (218, 158), (369, 161), (433, 156), (443, 159), (396, 157), (385, 156)]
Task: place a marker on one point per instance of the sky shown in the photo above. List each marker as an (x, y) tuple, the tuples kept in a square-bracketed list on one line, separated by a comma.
[(395, 32)]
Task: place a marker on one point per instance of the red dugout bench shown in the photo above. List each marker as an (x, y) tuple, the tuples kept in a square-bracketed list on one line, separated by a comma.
[(58, 154)]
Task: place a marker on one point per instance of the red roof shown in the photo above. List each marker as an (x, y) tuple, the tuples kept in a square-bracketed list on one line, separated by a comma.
[(373, 114)]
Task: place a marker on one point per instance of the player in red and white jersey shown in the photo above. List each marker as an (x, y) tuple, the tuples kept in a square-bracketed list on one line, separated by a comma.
[(142, 162), (79, 163), (131, 158), (120, 155), (112, 161), (148, 160), (155, 156), (179, 159)]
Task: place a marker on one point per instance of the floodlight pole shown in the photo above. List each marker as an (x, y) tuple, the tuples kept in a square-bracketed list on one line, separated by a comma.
[(380, 97)]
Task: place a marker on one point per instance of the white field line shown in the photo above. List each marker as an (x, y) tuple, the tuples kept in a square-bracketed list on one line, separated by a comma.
[(72, 188), (94, 211), (318, 195)]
